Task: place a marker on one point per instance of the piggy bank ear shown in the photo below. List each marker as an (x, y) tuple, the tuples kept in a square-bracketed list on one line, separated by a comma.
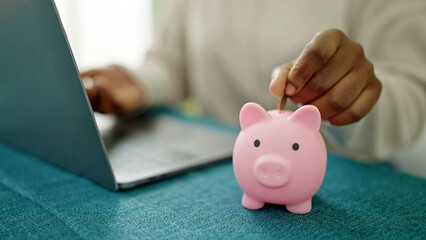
[(252, 113), (308, 115)]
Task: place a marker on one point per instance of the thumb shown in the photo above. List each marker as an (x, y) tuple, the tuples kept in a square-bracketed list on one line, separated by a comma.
[(279, 79)]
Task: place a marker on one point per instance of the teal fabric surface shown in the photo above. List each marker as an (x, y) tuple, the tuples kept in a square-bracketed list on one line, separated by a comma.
[(356, 201)]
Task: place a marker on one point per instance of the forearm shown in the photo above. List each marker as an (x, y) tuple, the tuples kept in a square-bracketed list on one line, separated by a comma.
[(163, 80), (163, 73)]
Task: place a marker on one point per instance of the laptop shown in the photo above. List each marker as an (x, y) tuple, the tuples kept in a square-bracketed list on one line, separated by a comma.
[(45, 111)]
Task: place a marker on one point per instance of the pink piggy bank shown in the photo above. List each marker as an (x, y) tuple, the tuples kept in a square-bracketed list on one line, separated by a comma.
[(279, 157)]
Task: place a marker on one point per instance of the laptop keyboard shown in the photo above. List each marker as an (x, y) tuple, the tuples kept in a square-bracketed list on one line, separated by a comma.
[(134, 154), (154, 146)]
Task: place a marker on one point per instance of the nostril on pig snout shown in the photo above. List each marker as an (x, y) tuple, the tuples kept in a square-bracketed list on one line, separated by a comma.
[(278, 173)]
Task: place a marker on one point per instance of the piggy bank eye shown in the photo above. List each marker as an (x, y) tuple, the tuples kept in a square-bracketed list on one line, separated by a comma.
[(295, 146), (256, 143)]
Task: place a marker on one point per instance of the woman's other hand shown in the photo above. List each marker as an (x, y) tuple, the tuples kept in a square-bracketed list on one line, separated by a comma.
[(112, 90)]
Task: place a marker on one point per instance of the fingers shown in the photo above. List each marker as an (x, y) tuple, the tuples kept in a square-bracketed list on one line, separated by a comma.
[(100, 95), (279, 78), (314, 56), (333, 74), (111, 90), (339, 65), (360, 107), (344, 93), (91, 73), (105, 102)]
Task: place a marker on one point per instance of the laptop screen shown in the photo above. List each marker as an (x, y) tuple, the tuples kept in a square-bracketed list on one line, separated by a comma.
[(44, 107)]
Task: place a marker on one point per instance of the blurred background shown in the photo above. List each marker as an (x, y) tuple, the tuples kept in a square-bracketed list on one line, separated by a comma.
[(102, 32)]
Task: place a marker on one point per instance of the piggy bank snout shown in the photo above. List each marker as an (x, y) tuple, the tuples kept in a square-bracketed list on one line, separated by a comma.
[(272, 171)]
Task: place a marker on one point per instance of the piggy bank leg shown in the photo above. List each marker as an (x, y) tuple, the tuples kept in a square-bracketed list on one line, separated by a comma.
[(300, 208), (251, 203)]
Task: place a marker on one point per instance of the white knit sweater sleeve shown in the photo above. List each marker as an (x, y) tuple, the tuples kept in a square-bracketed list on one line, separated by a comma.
[(393, 34), (163, 72)]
